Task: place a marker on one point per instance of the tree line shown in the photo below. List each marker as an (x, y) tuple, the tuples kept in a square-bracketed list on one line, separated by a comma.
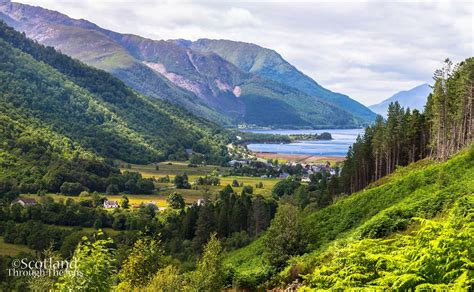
[(407, 136)]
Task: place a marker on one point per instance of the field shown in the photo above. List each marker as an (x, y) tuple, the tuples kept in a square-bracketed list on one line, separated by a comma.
[(173, 168), (178, 168), (9, 249), (160, 200)]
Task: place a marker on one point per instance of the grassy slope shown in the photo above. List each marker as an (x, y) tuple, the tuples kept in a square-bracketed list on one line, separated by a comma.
[(10, 249), (423, 189)]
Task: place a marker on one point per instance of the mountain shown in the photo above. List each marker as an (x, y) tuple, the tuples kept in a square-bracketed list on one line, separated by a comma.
[(267, 63), (62, 117), (206, 83), (414, 98)]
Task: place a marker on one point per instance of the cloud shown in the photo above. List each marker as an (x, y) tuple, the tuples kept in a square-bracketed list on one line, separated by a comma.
[(366, 49)]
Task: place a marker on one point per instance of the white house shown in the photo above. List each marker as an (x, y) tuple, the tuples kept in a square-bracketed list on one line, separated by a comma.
[(237, 162), (200, 202), (24, 202), (110, 204)]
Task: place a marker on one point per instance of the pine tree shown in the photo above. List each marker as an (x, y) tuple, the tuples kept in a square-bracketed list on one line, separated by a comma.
[(204, 227)]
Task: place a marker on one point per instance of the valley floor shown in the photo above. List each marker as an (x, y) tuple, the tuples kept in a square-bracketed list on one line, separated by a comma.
[(300, 158)]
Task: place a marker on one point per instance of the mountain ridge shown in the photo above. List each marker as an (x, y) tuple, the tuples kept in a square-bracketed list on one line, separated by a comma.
[(270, 64), (216, 88)]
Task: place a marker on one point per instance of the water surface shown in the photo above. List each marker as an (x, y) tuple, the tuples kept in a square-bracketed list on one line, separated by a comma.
[(342, 139)]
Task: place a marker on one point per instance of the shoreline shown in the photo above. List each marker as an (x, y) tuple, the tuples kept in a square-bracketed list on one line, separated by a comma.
[(296, 128), (299, 158)]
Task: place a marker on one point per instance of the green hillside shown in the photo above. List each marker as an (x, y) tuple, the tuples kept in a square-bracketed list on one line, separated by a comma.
[(57, 108), (356, 242)]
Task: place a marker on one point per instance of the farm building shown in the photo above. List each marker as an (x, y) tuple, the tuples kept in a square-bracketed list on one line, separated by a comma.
[(110, 204), (24, 202)]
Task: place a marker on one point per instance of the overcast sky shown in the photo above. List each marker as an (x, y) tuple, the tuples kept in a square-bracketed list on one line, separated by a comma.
[(368, 50)]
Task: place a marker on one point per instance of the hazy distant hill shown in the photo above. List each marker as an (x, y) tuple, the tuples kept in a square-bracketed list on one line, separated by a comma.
[(414, 98), (207, 83)]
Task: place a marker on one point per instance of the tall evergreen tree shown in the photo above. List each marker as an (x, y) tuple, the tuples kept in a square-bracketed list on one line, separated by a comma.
[(204, 226)]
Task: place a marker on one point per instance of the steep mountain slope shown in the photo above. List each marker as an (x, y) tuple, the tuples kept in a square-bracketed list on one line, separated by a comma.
[(414, 98), (202, 82), (89, 106), (385, 210), (269, 64), (85, 41)]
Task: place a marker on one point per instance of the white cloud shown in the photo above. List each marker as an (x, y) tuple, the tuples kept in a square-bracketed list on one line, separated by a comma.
[(366, 49)]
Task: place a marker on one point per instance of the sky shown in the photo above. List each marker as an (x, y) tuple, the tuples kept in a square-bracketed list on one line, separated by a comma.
[(368, 50)]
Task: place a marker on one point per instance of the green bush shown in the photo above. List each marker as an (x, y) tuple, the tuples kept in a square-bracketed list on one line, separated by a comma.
[(73, 189)]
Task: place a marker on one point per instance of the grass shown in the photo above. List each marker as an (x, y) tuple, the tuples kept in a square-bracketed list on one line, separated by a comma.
[(172, 168), (160, 200), (251, 262), (107, 230), (9, 249)]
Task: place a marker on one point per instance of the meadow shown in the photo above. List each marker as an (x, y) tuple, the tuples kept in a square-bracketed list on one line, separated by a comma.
[(172, 168), (9, 249)]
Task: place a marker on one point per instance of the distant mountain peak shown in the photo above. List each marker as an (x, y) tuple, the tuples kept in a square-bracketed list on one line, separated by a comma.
[(414, 98)]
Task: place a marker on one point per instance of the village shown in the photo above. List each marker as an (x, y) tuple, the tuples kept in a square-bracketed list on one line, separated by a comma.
[(273, 169)]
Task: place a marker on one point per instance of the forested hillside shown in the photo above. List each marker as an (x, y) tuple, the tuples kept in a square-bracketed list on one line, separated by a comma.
[(56, 110)]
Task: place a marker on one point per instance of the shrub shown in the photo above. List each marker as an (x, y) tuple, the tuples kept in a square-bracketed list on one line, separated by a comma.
[(176, 201), (74, 189)]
